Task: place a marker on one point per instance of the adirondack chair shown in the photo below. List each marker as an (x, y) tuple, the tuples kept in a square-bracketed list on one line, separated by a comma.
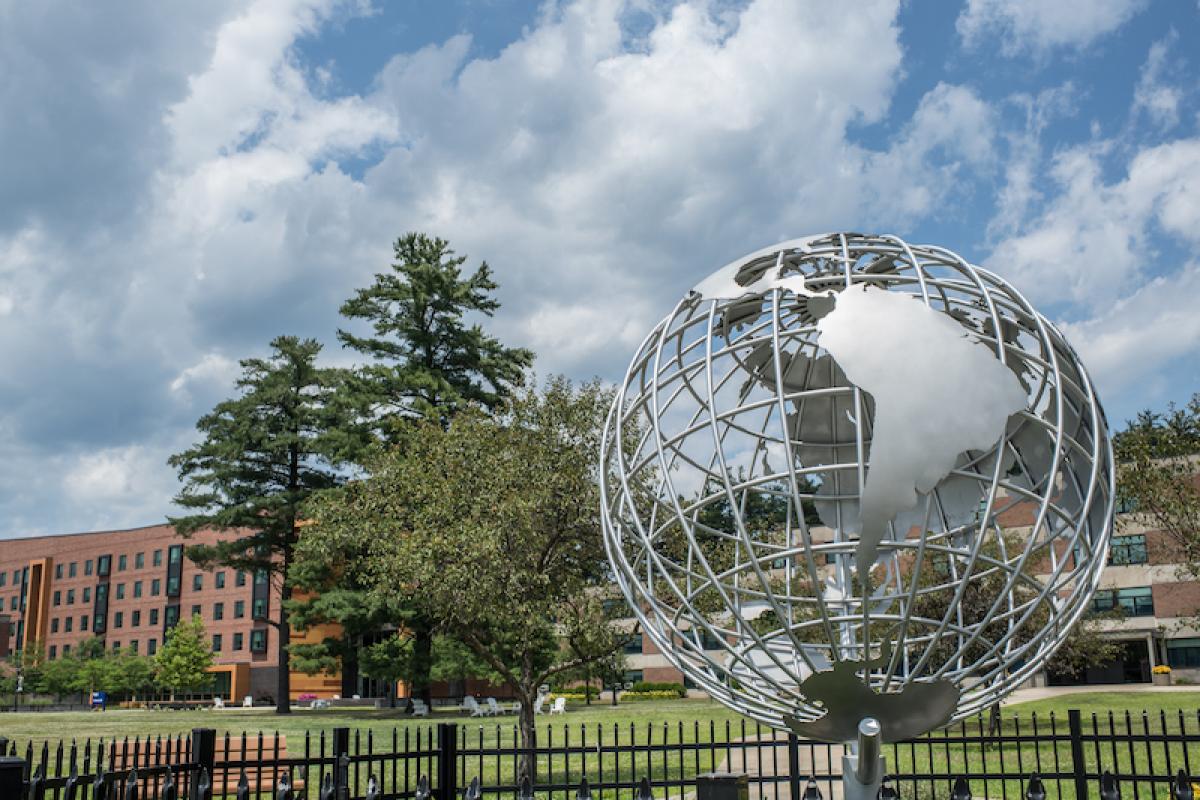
[(559, 706), (472, 705), (494, 707), (419, 708), (539, 703)]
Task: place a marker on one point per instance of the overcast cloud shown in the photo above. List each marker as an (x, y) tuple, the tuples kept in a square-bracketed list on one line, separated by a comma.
[(178, 187)]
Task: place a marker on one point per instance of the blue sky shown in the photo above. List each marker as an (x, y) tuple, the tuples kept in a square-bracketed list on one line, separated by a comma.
[(178, 185)]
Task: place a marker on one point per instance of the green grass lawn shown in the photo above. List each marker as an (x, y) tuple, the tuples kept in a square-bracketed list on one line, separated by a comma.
[(656, 723)]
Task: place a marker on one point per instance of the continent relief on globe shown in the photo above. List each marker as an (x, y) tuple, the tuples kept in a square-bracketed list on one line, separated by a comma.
[(938, 393)]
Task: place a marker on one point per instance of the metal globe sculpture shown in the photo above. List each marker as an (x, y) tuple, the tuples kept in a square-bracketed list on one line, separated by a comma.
[(847, 477)]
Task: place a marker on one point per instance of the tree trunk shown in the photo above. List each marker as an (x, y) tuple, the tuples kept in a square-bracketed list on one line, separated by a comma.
[(422, 665), (527, 725)]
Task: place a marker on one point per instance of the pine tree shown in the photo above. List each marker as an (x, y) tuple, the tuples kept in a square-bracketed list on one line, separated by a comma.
[(183, 660), (263, 453), (426, 363)]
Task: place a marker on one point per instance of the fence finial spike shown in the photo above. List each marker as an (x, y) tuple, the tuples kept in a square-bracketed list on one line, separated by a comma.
[(372, 788), (1108, 787), (961, 790), (1181, 789), (643, 791), (525, 790), (1035, 790), (474, 790), (422, 788), (886, 792), (811, 790), (584, 792)]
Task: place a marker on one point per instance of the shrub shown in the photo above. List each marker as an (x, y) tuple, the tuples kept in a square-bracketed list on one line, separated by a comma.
[(654, 695), (642, 687)]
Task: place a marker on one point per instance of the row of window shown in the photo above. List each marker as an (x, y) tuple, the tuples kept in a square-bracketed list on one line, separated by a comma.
[(155, 588), (239, 611), (1135, 602), (258, 644)]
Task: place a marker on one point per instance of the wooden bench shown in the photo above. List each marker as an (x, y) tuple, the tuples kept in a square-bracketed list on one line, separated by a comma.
[(257, 757)]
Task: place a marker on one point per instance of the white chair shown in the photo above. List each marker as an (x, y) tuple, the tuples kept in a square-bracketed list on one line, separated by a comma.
[(494, 707), (539, 703), (218, 702), (516, 709), (559, 706), (247, 702), (419, 708), (472, 705)]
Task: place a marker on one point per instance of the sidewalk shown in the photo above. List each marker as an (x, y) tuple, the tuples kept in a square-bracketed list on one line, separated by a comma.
[(1044, 692)]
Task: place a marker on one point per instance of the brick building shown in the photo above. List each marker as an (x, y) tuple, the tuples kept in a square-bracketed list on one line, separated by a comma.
[(129, 588)]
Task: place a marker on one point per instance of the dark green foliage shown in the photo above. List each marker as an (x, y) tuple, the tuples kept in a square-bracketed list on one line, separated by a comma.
[(262, 454), (428, 362)]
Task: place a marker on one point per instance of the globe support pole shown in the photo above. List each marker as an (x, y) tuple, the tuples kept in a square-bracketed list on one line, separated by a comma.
[(863, 770)]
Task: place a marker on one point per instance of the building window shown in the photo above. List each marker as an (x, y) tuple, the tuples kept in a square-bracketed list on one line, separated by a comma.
[(196, 610), (103, 565), (634, 645), (83, 622), (260, 609), (237, 641), (69, 624), (12, 606), (87, 567), (1135, 602), (134, 645), (58, 572), (157, 561), (53, 652), (171, 616), (175, 554), (155, 587), (197, 582), (239, 609), (218, 611), (17, 577), (57, 597), (116, 646), (220, 580), (151, 647), (137, 588), (136, 619), (54, 625), (66, 649), (70, 597), (87, 594), (118, 619), (122, 562), (71, 569), (172, 587), (154, 616), (120, 591), (239, 579), (1128, 550), (216, 642), (139, 561), (258, 641), (633, 676), (3, 578)]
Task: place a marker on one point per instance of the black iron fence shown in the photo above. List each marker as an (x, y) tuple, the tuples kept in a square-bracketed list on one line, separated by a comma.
[(1145, 756)]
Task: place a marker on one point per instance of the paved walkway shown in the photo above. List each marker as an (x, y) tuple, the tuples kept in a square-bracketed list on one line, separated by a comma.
[(1044, 692)]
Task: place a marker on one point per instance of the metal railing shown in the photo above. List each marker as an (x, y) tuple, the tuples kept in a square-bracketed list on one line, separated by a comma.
[(1146, 756)]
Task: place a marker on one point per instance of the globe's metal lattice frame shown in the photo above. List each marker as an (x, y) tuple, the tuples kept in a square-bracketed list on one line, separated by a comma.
[(684, 434)]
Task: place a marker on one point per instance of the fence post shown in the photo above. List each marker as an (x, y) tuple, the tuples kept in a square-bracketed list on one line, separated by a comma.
[(341, 771), (447, 768), (793, 748), (1078, 762), (204, 751), (12, 776)]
